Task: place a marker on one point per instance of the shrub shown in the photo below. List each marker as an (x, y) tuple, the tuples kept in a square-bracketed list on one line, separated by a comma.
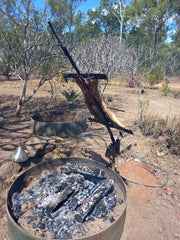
[(159, 75), (165, 87), (133, 81), (176, 94), (168, 128), (153, 128), (45, 108), (110, 98), (153, 79), (143, 107), (70, 96)]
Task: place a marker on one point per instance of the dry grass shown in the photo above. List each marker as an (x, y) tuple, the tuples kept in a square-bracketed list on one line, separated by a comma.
[(168, 128)]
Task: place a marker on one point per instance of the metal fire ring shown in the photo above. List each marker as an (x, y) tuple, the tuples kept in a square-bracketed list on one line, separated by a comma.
[(113, 232)]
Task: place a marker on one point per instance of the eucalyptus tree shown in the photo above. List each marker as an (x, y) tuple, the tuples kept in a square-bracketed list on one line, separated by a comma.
[(151, 17), (26, 41), (176, 11), (63, 12), (5, 58), (97, 21), (85, 27), (106, 21), (118, 9)]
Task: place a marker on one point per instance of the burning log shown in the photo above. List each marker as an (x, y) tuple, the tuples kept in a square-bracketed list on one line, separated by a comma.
[(102, 190), (68, 187), (96, 172), (55, 204)]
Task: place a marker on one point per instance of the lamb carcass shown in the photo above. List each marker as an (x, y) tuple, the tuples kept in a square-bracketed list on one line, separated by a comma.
[(94, 102)]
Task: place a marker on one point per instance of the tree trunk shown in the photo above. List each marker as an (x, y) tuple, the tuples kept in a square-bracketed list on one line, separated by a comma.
[(153, 66), (18, 108), (22, 97), (121, 29)]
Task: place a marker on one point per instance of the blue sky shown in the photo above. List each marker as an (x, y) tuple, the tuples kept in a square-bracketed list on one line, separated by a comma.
[(89, 4), (85, 6)]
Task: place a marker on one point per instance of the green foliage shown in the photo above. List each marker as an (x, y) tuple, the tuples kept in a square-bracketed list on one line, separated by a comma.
[(176, 94), (110, 98), (165, 87), (159, 75), (70, 95), (147, 27), (60, 77), (143, 106), (153, 79), (45, 108), (86, 26), (64, 15), (169, 55), (144, 70)]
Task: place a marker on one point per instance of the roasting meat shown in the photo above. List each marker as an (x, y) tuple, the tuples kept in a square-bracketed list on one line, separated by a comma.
[(93, 99)]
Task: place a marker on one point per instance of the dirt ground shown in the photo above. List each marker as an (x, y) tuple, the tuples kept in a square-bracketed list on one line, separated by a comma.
[(152, 213)]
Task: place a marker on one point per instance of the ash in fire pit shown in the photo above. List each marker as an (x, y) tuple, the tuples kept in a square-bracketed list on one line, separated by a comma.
[(67, 203)]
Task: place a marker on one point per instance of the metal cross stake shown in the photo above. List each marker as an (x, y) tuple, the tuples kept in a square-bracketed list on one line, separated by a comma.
[(114, 148), (112, 151)]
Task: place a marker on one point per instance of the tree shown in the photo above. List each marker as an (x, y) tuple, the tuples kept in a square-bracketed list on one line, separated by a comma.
[(105, 54), (169, 55), (106, 21), (25, 40), (117, 8), (151, 16), (64, 13), (97, 21), (176, 15), (84, 28)]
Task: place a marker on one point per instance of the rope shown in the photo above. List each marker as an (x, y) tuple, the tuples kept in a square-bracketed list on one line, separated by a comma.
[(151, 164), (146, 162), (125, 135)]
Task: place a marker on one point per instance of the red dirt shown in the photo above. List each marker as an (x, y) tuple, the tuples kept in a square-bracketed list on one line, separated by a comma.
[(140, 173)]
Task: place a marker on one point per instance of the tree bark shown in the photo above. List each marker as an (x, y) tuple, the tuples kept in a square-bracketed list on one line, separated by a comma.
[(22, 97), (18, 108), (153, 67)]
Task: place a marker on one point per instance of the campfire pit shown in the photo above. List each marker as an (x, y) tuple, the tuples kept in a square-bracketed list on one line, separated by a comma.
[(62, 124), (67, 199)]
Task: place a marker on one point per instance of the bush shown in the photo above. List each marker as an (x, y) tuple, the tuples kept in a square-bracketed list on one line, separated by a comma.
[(176, 94), (133, 81), (153, 79), (165, 87), (159, 75), (70, 96), (110, 98), (143, 107), (45, 108), (169, 129), (153, 128)]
